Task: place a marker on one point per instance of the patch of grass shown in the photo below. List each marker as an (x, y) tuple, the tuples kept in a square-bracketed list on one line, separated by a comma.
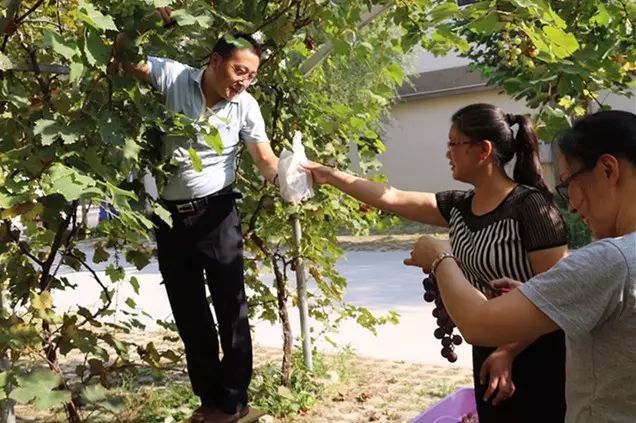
[(160, 404), (341, 363), (440, 390), (305, 387)]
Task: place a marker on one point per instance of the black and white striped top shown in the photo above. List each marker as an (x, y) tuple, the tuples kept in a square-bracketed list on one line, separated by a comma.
[(496, 244)]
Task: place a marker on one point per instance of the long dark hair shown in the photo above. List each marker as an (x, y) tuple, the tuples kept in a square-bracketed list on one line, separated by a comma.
[(610, 132), (483, 121)]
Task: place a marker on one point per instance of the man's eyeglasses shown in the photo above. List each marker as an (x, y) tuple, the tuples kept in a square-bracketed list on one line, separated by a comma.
[(562, 188), (244, 74)]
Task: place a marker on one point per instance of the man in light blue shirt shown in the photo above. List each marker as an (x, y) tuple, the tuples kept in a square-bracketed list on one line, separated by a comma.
[(205, 242)]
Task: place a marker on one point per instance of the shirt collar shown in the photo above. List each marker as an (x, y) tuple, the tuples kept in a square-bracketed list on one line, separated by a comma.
[(197, 76)]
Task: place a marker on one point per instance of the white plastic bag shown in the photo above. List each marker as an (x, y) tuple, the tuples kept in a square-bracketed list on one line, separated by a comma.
[(295, 182)]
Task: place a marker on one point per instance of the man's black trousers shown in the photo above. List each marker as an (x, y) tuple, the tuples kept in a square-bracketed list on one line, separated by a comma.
[(206, 246)]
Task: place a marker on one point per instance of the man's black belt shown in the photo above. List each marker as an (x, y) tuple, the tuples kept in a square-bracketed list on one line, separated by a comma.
[(191, 206)]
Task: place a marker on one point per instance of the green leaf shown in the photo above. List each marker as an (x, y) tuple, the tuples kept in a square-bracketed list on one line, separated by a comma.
[(131, 149), (487, 24), (162, 3), (443, 11), (131, 303), (602, 17), (60, 179), (94, 393), (77, 69), (6, 201), (41, 302), (47, 129), (394, 72), (53, 40), (134, 282), (238, 42), (99, 396), (139, 258), (213, 139), (5, 62), (183, 18), (196, 160), (94, 17), (162, 213), (95, 51), (38, 387), (285, 392), (110, 128), (116, 191), (68, 137), (115, 273), (561, 43), (205, 21), (100, 254)]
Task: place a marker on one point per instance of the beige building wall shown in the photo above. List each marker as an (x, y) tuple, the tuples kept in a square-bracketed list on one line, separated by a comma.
[(417, 134)]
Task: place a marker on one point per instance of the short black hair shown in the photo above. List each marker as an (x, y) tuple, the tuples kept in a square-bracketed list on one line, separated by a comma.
[(607, 132), (229, 43)]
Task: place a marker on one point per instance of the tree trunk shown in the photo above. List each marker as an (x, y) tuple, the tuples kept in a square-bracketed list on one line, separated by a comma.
[(283, 315)]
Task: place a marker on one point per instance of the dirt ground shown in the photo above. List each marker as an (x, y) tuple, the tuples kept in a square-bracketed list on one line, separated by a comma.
[(383, 242), (384, 391), (369, 390)]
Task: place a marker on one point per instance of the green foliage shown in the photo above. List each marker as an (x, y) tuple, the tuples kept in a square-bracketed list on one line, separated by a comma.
[(159, 401), (561, 57), (160, 404), (303, 391), (75, 134), (578, 232), (39, 387)]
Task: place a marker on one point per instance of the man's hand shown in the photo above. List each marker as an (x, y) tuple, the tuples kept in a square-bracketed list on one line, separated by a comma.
[(497, 372), (425, 251), (319, 173), (264, 159), (140, 71), (165, 14)]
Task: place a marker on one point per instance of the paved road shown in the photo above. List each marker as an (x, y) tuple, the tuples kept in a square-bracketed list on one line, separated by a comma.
[(377, 280)]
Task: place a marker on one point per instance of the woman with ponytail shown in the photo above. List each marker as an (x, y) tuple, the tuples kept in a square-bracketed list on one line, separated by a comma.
[(502, 228)]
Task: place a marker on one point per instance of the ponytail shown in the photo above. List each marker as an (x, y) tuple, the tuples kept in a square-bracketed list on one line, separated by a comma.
[(528, 169), (483, 121)]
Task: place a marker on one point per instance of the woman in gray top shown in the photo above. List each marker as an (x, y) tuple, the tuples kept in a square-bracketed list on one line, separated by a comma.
[(591, 294)]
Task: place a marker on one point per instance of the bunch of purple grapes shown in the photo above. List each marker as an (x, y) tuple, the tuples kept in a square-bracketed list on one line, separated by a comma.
[(445, 325)]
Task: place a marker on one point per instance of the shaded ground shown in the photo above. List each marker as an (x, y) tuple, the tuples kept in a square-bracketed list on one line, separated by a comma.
[(356, 389), (386, 242)]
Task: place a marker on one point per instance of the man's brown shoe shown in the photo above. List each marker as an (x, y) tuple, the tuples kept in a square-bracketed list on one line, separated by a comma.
[(217, 416), (198, 415)]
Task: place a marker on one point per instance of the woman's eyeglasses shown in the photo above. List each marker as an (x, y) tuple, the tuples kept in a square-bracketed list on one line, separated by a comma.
[(562, 188), (451, 144)]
